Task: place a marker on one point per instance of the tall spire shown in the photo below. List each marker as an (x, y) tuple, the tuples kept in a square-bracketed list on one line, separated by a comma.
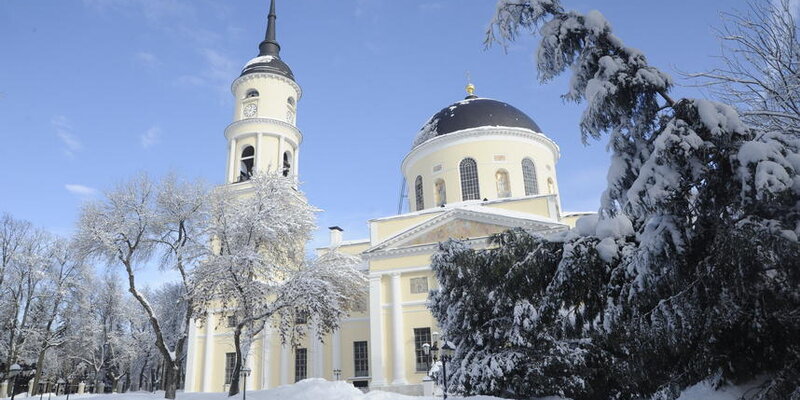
[(270, 46)]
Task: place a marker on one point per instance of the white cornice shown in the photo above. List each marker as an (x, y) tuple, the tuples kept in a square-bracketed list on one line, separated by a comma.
[(485, 132), (248, 77), (258, 129)]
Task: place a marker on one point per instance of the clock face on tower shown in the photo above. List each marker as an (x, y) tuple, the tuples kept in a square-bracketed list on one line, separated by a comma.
[(250, 110)]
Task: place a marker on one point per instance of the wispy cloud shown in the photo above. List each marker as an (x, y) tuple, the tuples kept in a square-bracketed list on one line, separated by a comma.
[(81, 190), (147, 60), (151, 137), (64, 132), (217, 72)]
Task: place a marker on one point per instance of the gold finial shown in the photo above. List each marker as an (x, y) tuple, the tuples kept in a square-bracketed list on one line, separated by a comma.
[(471, 89), (470, 86)]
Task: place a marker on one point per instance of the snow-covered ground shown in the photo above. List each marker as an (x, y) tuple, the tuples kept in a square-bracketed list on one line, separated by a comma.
[(317, 389)]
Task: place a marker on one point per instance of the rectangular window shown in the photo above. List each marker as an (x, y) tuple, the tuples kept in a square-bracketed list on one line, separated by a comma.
[(300, 364), (301, 318), (231, 321), (422, 336), (230, 363), (419, 285), (360, 359)]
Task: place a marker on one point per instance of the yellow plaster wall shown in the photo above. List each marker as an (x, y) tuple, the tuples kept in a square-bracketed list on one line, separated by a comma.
[(386, 228), (449, 155), (534, 205)]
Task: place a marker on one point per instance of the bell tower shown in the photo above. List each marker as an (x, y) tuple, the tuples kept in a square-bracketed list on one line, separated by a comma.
[(263, 136)]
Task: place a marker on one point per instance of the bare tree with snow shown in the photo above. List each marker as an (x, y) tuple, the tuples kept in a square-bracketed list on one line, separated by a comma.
[(257, 273), (760, 71), (137, 221)]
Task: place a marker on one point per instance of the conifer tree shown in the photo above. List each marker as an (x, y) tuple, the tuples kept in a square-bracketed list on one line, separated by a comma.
[(688, 272)]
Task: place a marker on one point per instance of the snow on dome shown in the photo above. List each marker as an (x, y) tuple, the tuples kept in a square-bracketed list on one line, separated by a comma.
[(268, 64), (473, 112), (261, 59)]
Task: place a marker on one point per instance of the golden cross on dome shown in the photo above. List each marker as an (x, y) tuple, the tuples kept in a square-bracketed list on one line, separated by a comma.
[(470, 86)]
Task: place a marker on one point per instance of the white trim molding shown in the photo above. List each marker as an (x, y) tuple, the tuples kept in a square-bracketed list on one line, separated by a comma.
[(258, 129), (252, 76)]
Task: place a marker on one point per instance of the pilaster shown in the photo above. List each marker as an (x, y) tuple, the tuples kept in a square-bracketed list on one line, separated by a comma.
[(376, 332), (398, 355)]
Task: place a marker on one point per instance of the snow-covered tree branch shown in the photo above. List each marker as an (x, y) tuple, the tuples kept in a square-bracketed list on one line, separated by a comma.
[(688, 272)]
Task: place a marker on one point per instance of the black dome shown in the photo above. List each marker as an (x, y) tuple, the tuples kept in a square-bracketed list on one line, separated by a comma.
[(268, 64), (475, 112)]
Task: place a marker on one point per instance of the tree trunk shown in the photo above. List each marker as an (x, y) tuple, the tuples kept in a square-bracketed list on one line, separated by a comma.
[(38, 376), (141, 376), (170, 381), (237, 342)]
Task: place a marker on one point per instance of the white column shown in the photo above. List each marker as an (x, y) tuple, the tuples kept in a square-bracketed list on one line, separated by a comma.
[(376, 332), (266, 346), (317, 356), (281, 146), (397, 335), (208, 359), (231, 160), (297, 164), (259, 159), (190, 356), (336, 357), (284, 364)]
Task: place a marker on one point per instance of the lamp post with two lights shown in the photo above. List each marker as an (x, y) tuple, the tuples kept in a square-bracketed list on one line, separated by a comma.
[(445, 354)]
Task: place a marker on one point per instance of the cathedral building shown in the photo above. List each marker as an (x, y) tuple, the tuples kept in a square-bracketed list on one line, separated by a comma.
[(477, 167)]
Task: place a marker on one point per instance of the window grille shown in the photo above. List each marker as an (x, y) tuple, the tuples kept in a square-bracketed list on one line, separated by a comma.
[(422, 336), (419, 194), (529, 177), (230, 364), (469, 180), (360, 359), (287, 163), (419, 285), (300, 364)]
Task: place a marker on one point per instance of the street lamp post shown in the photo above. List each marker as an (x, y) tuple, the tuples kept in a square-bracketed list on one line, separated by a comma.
[(337, 373), (444, 354), (244, 373), (447, 353)]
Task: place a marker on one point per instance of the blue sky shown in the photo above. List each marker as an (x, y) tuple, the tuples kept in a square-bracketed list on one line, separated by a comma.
[(94, 91)]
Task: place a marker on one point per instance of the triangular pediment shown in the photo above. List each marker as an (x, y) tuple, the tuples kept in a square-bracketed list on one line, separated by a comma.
[(455, 229), (462, 223)]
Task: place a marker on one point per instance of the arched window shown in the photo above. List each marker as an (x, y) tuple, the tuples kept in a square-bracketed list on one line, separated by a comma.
[(440, 193), (291, 110), (503, 184), (246, 163), (551, 186), (287, 163), (251, 93), (469, 180), (418, 193), (529, 177)]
